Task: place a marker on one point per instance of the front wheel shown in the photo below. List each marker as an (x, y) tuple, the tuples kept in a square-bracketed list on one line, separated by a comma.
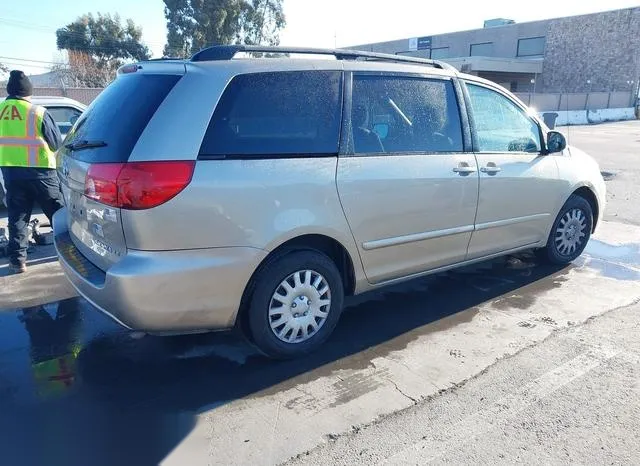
[(296, 304), (570, 233)]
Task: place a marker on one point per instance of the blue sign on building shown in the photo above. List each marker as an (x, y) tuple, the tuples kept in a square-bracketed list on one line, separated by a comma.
[(424, 43)]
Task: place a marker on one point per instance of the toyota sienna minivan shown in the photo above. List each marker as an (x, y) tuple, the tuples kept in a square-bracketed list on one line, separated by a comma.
[(230, 190)]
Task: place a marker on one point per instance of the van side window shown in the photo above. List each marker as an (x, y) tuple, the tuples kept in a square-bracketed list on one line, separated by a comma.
[(393, 114), (277, 114), (500, 124)]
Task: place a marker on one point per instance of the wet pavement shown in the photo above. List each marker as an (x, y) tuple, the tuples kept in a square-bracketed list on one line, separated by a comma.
[(77, 389), (133, 400)]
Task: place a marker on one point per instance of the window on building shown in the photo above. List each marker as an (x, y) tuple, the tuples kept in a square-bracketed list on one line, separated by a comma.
[(281, 113), (481, 50), (403, 115), (439, 53), (531, 47)]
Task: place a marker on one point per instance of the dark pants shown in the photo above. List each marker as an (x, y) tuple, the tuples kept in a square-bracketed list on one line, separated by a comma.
[(21, 196)]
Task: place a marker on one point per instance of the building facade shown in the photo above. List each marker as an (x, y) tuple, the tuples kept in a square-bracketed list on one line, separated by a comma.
[(598, 52)]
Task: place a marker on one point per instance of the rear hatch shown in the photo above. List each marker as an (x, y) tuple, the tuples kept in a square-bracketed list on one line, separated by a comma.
[(95, 156)]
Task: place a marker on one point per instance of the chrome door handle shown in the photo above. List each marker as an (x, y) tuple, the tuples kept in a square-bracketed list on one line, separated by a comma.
[(490, 169), (462, 170)]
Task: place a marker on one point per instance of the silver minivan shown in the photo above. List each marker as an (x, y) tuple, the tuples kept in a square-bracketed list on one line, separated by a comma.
[(234, 191)]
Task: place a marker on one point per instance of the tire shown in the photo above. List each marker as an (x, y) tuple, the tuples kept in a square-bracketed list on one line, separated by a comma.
[(300, 308), (562, 245)]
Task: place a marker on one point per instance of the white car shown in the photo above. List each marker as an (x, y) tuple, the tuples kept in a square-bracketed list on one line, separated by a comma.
[(64, 111)]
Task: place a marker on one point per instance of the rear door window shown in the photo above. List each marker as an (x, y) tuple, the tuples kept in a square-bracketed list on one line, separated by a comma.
[(277, 114), (119, 115), (393, 114)]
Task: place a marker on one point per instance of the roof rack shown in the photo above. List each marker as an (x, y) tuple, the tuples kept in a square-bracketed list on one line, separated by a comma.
[(227, 52)]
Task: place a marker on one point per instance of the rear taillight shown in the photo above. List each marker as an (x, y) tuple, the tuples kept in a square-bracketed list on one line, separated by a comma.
[(137, 185)]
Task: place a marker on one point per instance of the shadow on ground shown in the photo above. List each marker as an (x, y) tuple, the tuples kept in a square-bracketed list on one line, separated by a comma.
[(76, 389)]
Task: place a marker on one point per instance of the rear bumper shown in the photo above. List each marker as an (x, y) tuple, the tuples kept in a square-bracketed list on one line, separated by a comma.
[(162, 291)]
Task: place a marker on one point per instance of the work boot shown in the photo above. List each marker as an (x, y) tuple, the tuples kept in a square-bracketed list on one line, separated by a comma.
[(20, 267)]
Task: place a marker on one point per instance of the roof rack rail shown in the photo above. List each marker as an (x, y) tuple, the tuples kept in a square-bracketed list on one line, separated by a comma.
[(227, 52), (164, 59)]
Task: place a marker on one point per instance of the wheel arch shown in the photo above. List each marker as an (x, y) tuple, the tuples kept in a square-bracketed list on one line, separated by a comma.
[(324, 244), (589, 195)]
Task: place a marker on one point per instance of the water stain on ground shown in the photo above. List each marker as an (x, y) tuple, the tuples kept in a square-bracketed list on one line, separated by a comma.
[(525, 297), (356, 385)]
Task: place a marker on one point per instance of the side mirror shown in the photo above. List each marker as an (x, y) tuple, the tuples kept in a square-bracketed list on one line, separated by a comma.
[(556, 142)]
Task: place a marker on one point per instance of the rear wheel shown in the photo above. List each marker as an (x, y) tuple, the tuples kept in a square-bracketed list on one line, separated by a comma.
[(296, 304), (570, 232)]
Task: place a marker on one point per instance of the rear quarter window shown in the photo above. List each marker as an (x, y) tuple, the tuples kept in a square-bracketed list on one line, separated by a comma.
[(277, 114), (119, 115)]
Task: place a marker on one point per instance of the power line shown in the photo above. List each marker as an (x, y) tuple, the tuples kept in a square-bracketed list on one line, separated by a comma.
[(24, 25), (48, 29), (30, 61), (21, 65)]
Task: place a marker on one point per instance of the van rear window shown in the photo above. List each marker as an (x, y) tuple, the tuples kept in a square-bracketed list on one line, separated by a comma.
[(277, 114), (119, 115)]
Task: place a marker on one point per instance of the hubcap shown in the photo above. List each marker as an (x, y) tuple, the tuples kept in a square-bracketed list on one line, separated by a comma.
[(300, 306), (571, 232)]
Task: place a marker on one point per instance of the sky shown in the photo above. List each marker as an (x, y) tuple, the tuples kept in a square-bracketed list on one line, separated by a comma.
[(28, 41)]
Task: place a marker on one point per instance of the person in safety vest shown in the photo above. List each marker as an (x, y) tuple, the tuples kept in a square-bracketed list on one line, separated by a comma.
[(28, 140)]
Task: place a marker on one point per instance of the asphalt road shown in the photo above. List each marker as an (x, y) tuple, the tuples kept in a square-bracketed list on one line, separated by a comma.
[(572, 399), (616, 146), (507, 361)]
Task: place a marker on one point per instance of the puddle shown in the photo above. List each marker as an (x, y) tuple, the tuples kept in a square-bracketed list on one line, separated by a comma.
[(628, 254), (609, 269)]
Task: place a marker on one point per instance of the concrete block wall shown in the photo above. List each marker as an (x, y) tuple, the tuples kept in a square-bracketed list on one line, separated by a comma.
[(603, 48)]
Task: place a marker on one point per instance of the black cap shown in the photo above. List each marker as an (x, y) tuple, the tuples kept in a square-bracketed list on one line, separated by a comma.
[(19, 84)]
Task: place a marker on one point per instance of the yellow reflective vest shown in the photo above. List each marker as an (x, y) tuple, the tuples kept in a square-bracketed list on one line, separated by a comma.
[(22, 143)]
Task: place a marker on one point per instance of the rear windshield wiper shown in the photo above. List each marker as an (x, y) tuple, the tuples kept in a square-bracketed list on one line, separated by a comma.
[(84, 144)]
